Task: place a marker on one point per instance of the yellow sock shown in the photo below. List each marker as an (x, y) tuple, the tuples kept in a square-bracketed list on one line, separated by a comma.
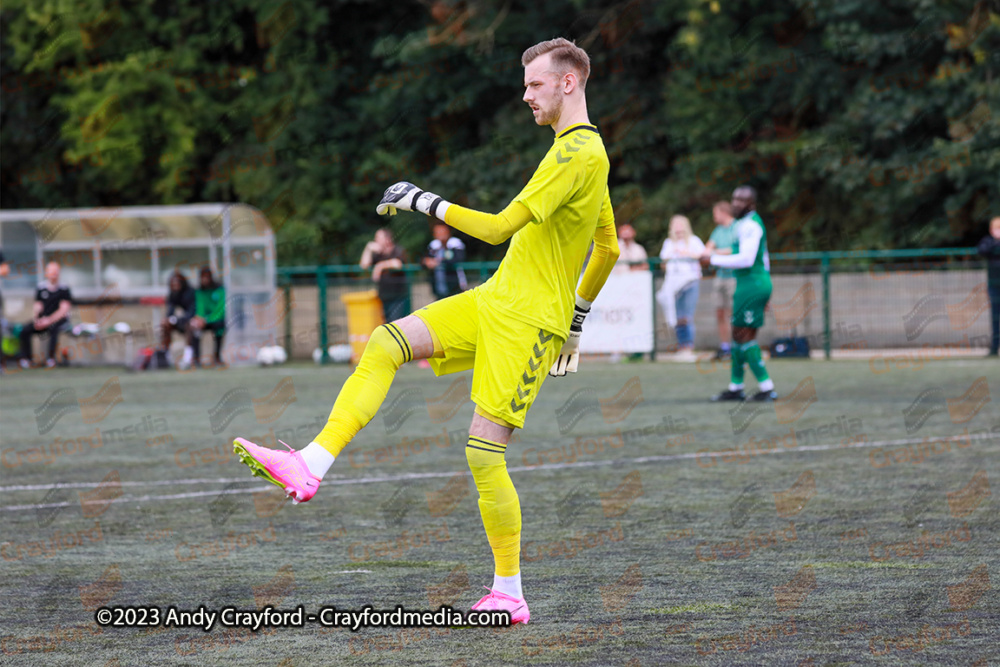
[(498, 503), (366, 389)]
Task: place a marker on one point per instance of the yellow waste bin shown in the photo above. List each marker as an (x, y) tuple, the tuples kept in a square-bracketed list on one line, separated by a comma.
[(364, 313)]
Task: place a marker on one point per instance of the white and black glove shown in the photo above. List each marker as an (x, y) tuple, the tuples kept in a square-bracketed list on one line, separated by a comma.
[(405, 196), (569, 355)]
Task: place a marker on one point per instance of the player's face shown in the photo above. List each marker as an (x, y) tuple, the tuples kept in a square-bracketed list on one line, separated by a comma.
[(543, 90), (995, 228), (52, 273), (441, 233), (742, 203)]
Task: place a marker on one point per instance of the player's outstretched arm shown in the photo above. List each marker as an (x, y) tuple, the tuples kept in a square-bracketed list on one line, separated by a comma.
[(406, 196), (493, 229), (602, 261), (749, 242)]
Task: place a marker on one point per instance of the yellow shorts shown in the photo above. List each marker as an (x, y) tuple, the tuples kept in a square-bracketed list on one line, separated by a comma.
[(510, 359)]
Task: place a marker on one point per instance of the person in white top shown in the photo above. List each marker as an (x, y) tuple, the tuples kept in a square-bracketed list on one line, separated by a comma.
[(630, 252), (679, 295)]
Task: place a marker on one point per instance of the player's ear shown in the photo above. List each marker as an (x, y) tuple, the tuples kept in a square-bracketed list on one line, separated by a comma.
[(569, 82)]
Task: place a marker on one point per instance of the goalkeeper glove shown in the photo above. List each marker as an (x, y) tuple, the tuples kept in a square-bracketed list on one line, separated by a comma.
[(569, 355), (408, 197)]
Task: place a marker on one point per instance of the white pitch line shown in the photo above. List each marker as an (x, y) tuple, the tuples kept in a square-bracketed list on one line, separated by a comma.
[(431, 475), (126, 499), (89, 485)]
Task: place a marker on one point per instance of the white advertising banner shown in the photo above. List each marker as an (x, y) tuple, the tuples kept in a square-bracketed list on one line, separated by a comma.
[(621, 319)]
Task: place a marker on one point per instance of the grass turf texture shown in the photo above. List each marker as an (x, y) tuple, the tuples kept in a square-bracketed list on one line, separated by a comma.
[(618, 539)]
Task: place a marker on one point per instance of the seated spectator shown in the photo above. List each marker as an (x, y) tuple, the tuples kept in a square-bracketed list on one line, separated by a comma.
[(442, 255), (180, 310), (209, 315), (50, 315)]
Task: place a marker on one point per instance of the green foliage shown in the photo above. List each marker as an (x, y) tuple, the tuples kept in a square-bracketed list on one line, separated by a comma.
[(861, 124)]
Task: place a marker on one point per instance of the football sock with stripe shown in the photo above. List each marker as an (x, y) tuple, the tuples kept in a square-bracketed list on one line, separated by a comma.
[(366, 389), (500, 509)]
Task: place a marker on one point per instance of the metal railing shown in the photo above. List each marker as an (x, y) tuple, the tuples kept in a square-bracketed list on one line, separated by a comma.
[(825, 263)]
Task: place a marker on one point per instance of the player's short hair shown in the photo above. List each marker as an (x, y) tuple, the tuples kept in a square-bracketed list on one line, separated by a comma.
[(723, 206), (749, 188), (565, 56)]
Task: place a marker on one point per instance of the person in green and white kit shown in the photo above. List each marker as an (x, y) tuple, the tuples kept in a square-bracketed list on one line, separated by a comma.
[(752, 269), (210, 315)]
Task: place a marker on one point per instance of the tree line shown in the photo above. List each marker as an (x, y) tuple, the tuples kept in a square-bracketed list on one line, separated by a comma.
[(862, 124)]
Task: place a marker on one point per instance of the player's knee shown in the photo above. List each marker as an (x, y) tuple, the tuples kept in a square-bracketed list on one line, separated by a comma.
[(387, 343)]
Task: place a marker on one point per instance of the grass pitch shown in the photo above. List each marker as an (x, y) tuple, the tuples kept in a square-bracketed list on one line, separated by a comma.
[(851, 523)]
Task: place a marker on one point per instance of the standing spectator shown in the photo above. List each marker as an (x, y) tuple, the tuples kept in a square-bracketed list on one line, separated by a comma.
[(180, 311), (989, 248), (4, 272), (721, 241), (209, 315), (631, 252), (443, 253), (385, 259), (679, 295), (50, 315)]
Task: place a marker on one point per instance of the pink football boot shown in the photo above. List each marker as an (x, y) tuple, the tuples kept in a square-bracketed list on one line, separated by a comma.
[(496, 600), (285, 469)]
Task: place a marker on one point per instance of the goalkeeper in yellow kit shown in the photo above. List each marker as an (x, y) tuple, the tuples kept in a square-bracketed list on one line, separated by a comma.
[(525, 319)]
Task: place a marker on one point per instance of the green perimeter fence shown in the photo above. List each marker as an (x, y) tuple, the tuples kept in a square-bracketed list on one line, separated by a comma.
[(838, 300)]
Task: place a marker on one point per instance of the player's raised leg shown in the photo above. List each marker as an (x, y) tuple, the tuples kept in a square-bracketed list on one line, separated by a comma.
[(501, 512), (299, 472)]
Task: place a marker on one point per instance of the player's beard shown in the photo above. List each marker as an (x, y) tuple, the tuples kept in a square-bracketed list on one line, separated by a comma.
[(551, 115)]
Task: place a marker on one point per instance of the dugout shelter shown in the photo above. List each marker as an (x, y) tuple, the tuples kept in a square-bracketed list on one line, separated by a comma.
[(117, 263)]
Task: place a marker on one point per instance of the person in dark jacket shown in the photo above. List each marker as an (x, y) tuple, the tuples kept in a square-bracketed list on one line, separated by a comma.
[(4, 272), (443, 253), (385, 259), (180, 310), (989, 248)]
